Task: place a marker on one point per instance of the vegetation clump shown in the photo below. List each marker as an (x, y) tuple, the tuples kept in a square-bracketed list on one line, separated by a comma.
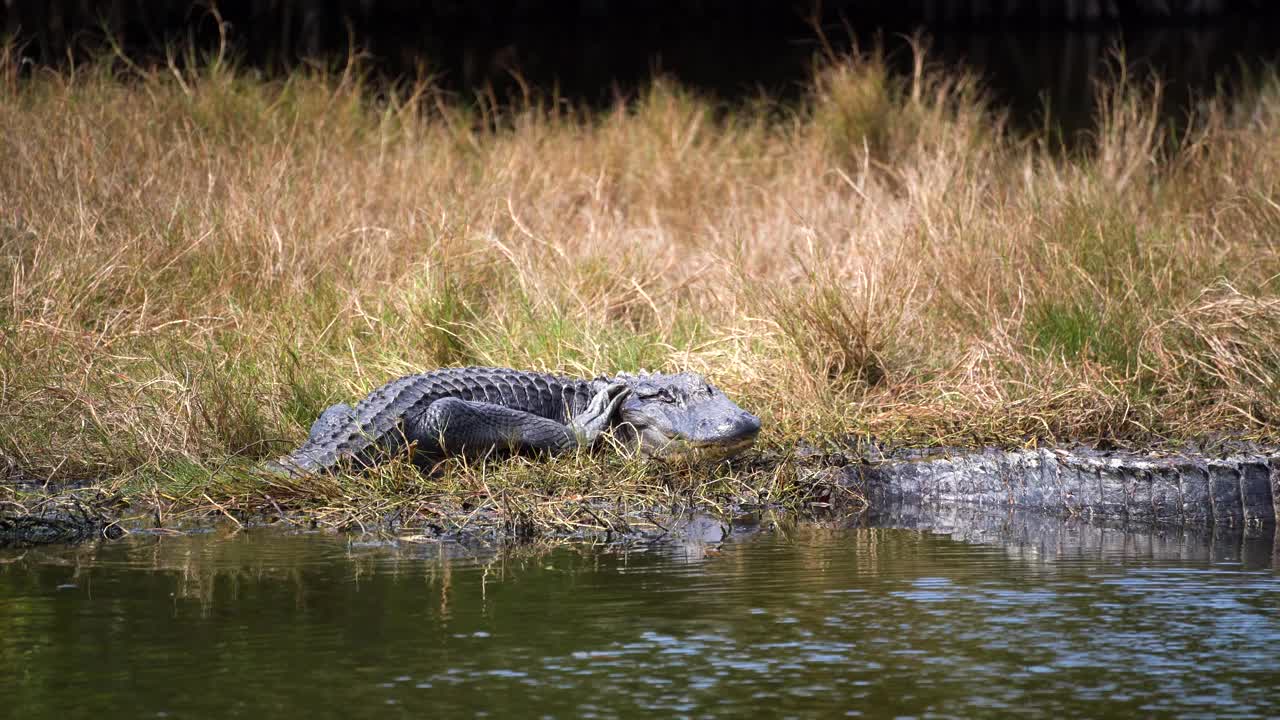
[(195, 262)]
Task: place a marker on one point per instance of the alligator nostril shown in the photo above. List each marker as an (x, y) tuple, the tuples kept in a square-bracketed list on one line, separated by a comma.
[(741, 426)]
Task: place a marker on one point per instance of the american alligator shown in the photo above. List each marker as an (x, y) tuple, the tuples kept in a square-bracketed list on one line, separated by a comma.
[(478, 410), (1235, 489)]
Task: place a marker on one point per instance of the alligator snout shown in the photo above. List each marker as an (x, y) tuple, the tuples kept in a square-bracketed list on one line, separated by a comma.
[(740, 427)]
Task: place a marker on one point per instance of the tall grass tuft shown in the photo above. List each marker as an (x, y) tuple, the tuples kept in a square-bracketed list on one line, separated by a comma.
[(194, 262)]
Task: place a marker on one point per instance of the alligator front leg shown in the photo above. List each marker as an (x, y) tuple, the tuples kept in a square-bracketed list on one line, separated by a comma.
[(591, 423), (451, 425)]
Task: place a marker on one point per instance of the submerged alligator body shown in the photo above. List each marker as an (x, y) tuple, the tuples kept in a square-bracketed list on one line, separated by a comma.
[(1235, 490), (477, 410)]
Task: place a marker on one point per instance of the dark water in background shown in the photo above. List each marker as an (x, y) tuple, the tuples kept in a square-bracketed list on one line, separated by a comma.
[(593, 52), (977, 617)]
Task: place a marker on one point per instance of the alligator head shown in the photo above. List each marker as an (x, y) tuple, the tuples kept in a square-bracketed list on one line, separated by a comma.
[(682, 416)]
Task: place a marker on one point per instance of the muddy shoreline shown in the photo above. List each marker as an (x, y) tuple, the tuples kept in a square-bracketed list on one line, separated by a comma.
[(1233, 489)]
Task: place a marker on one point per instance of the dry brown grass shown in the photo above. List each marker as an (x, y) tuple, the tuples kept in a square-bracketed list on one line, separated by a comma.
[(193, 264)]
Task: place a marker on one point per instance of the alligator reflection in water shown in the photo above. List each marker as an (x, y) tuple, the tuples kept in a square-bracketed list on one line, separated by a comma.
[(1032, 536)]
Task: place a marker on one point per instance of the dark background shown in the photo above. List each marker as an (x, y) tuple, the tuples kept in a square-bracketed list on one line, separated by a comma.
[(1029, 52)]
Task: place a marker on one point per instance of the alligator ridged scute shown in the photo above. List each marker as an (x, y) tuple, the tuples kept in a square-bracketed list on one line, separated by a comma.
[(378, 419), (1239, 489)]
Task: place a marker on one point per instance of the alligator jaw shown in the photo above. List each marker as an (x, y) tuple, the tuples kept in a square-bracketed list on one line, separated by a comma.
[(674, 448)]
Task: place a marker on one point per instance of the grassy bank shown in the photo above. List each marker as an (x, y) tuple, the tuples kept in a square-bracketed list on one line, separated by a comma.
[(194, 264)]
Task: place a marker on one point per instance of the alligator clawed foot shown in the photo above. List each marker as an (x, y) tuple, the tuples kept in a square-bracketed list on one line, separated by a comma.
[(592, 422)]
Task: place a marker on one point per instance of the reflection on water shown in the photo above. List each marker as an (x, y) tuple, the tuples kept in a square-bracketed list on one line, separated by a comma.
[(946, 615), (1032, 537)]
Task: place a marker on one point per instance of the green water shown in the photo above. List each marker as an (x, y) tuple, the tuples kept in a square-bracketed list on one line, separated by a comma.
[(806, 621)]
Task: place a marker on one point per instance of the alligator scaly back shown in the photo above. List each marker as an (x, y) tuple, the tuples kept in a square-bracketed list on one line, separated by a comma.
[(346, 434)]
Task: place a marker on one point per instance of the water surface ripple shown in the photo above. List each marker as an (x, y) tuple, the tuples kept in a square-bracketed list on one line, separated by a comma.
[(813, 620)]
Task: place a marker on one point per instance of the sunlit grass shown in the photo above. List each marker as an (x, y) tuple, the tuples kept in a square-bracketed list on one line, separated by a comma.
[(193, 264)]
